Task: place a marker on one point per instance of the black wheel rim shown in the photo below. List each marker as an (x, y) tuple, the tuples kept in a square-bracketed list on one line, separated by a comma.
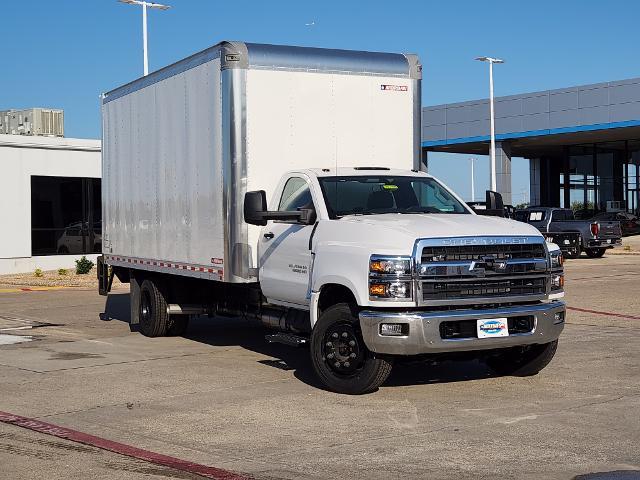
[(145, 308), (343, 350)]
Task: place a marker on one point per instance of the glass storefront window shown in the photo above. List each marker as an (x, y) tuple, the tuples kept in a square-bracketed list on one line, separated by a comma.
[(65, 215), (632, 177)]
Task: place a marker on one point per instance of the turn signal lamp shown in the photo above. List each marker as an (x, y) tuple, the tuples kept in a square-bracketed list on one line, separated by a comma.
[(377, 290), (398, 266)]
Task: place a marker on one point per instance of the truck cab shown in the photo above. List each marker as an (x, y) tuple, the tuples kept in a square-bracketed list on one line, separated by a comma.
[(392, 263)]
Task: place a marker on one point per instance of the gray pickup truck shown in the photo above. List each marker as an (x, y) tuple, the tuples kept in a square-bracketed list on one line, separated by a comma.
[(596, 236)]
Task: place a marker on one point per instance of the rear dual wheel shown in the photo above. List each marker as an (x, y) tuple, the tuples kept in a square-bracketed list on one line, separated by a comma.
[(154, 319), (339, 356)]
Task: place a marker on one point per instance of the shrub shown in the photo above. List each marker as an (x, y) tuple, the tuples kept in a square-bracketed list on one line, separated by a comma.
[(83, 266), (37, 272), (62, 271)]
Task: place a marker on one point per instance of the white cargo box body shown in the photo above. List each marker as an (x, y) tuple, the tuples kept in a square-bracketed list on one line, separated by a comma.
[(183, 145)]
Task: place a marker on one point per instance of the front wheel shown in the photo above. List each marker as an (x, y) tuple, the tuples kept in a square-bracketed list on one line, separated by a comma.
[(523, 361), (595, 252), (339, 356)]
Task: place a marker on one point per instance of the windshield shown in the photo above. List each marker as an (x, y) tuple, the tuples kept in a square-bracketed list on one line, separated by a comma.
[(368, 195)]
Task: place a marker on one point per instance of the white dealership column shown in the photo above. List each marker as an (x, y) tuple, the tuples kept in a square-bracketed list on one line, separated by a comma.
[(503, 171)]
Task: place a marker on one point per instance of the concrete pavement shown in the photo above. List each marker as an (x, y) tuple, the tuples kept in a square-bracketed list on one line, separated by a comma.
[(221, 396)]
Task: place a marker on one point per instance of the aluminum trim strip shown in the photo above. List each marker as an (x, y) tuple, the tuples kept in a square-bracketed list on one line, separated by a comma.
[(211, 272), (309, 59)]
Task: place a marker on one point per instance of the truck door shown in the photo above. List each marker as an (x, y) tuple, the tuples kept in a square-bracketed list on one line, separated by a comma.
[(283, 248)]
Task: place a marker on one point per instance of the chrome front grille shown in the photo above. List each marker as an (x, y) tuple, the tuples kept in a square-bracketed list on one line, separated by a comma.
[(482, 270), (477, 252), (446, 290)]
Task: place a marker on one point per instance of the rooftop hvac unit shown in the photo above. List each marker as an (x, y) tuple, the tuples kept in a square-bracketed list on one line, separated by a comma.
[(33, 121)]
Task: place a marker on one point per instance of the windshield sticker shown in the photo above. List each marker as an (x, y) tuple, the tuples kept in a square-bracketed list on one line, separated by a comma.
[(390, 187)]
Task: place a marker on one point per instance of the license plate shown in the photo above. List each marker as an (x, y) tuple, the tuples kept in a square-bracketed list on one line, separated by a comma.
[(567, 242), (492, 327), (549, 239), (608, 241)]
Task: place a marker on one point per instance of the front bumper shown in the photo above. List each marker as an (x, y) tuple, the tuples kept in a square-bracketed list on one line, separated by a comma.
[(424, 329)]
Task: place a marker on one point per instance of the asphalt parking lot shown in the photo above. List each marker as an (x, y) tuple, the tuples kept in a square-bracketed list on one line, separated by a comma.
[(221, 397)]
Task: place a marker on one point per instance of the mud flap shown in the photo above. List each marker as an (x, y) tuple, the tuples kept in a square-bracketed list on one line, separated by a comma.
[(105, 276), (134, 299)]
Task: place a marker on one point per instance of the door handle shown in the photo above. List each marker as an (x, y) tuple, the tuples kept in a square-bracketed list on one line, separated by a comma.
[(268, 235)]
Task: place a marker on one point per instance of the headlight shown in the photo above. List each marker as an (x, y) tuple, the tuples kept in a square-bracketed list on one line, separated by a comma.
[(557, 281), (390, 278), (386, 265), (557, 271), (557, 260), (392, 290)]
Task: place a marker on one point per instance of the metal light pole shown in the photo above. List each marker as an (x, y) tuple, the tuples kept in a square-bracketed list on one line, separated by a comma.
[(144, 4), (492, 167), (473, 188)]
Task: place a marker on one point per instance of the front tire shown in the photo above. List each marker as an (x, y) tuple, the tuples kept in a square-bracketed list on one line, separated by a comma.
[(595, 252), (340, 357), (154, 319), (523, 361)]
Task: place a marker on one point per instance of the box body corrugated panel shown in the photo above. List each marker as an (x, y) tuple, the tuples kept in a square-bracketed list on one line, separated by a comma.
[(182, 146), (162, 182)]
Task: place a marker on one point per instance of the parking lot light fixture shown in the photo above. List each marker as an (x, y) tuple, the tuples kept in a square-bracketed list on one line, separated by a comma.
[(144, 5), (491, 61)]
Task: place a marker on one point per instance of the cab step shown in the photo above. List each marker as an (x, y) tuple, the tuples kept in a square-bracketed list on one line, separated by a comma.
[(287, 339)]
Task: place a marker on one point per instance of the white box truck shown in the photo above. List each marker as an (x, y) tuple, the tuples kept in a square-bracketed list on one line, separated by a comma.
[(360, 255)]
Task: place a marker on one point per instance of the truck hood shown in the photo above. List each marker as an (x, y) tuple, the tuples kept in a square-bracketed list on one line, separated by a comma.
[(434, 225)]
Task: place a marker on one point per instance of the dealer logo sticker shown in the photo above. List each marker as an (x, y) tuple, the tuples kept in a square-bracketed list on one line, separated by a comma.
[(496, 327), (394, 88)]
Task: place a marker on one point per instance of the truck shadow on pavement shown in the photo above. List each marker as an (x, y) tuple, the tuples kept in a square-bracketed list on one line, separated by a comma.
[(249, 334)]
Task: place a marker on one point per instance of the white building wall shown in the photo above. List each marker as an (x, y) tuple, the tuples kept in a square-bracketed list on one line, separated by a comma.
[(20, 158)]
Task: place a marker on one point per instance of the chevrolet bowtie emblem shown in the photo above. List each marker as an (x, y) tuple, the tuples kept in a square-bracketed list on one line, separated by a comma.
[(479, 268)]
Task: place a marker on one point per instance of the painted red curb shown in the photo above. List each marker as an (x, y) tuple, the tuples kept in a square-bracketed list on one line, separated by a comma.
[(608, 314), (120, 448)]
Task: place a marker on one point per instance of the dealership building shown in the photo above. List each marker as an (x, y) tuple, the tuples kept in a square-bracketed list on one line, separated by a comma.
[(50, 200), (582, 142)]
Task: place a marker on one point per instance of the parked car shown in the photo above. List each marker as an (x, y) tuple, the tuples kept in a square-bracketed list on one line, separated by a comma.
[(596, 236)]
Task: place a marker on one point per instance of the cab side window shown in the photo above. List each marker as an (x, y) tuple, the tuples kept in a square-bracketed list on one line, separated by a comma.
[(295, 195)]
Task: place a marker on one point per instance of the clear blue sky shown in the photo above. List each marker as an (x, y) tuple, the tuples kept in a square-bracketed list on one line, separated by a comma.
[(64, 53)]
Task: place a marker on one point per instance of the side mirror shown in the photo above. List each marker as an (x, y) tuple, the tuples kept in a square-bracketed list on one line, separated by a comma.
[(494, 205), (256, 213), (308, 214), (494, 201), (255, 207)]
